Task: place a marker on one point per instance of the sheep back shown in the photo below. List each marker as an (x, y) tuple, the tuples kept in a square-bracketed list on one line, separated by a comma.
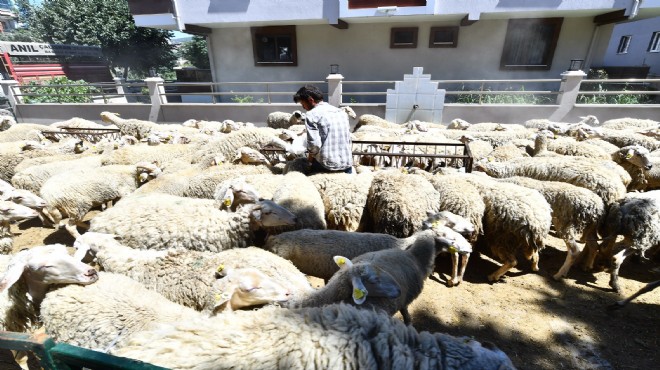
[(397, 203), (312, 251), (344, 198)]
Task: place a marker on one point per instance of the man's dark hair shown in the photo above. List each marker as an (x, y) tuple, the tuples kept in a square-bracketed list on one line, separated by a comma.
[(308, 91)]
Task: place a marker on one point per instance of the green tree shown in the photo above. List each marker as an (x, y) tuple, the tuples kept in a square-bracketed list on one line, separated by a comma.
[(23, 33), (195, 52), (104, 23)]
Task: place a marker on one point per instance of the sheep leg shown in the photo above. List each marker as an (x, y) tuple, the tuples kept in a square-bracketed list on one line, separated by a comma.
[(71, 228), (464, 260), (453, 280), (535, 260), (572, 253), (406, 316), (617, 260), (591, 250), (508, 265), (645, 289)]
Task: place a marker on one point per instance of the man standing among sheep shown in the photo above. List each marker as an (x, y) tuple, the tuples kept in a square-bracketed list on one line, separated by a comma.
[(328, 133)]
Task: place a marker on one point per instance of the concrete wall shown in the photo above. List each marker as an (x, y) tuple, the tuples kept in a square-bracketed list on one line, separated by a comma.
[(257, 113), (641, 32), (363, 53)]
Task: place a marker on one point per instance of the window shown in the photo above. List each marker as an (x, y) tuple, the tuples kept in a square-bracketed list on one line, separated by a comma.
[(530, 43), (358, 4), (623, 45), (654, 45), (274, 46), (403, 37), (443, 37)]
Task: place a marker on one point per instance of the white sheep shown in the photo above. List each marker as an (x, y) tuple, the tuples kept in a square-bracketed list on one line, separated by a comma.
[(100, 316), (141, 129), (390, 209), (388, 279), (73, 193), (373, 120), (334, 337), (623, 138), (516, 219), (22, 131), (33, 177), (344, 198), (636, 160), (576, 215), (252, 276), (596, 177), (163, 154), (629, 123), (162, 221), (560, 127), (458, 124), (636, 217), (225, 146), (284, 120), (29, 276), (196, 181), (298, 194)]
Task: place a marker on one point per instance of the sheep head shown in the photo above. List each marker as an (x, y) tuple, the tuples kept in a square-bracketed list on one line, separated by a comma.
[(147, 171), (266, 213), (245, 287), (368, 280), (46, 265), (636, 155)]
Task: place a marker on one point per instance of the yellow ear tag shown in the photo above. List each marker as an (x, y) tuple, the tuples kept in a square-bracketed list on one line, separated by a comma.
[(227, 202), (435, 224), (220, 268), (452, 249), (490, 159), (341, 261), (358, 293), (628, 156)]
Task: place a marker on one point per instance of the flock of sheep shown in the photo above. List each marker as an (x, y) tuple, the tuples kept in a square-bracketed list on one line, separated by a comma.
[(203, 245)]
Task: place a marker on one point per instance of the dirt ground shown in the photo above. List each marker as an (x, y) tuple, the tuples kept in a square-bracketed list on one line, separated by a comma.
[(538, 322)]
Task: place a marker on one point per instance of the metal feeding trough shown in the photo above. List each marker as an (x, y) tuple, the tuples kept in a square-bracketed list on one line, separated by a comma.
[(425, 155), (92, 135)]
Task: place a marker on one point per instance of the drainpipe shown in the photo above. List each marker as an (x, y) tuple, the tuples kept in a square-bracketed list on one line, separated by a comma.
[(634, 9), (179, 23), (590, 49)]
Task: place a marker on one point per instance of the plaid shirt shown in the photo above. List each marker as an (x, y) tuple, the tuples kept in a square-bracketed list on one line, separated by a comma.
[(329, 137)]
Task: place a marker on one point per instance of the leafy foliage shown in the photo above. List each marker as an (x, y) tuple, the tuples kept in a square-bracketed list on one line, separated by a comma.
[(52, 91), (195, 52), (504, 98), (596, 91), (104, 23)]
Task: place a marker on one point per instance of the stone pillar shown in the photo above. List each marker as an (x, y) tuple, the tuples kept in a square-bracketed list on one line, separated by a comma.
[(334, 89), (156, 89), (9, 93), (120, 88), (568, 92)]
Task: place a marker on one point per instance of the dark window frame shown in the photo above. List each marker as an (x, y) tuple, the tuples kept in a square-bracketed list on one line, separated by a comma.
[(274, 31), (511, 45), (454, 34), (624, 44), (395, 30), (655, 41)]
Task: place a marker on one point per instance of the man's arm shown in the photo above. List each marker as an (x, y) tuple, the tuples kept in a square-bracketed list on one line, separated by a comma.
[(313, 138)]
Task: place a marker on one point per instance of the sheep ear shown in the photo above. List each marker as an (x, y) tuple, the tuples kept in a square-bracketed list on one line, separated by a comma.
[(378, 282), (342, 262), (359, 290), (14, 270), (630, 153)]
